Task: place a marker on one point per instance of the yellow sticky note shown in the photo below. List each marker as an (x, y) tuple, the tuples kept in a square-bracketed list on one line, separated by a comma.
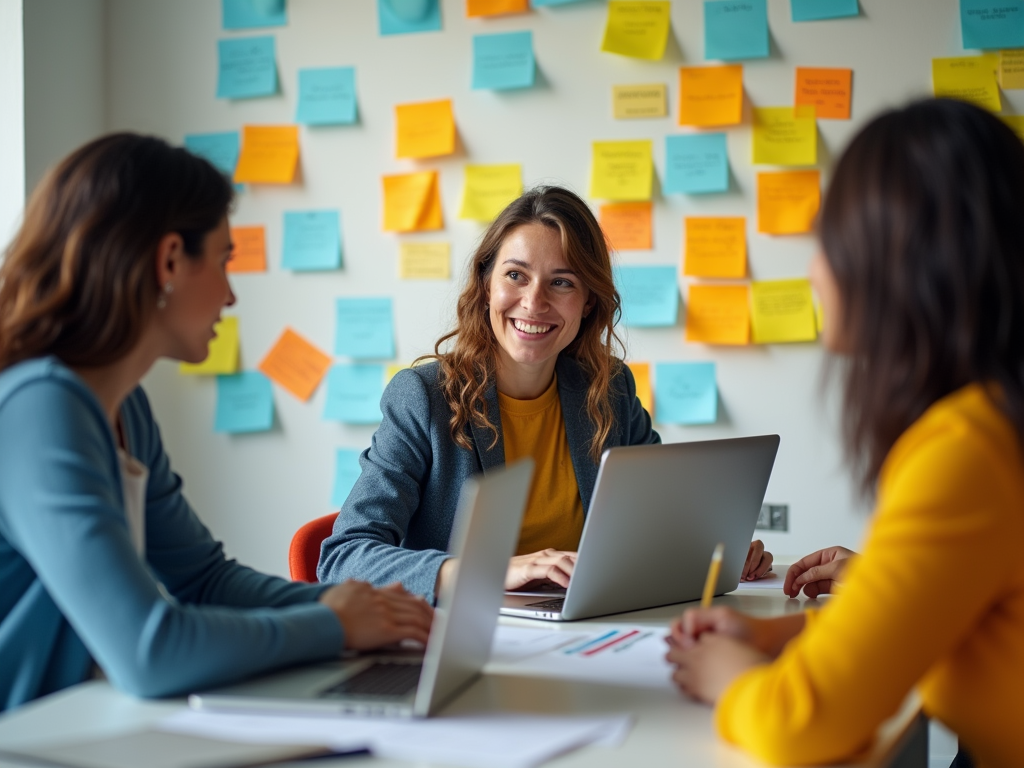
[(295, 364), (495, 7), (412, 202), (718, 314), (827, 90), (391, 369), (249, 252), (787, 201), (637, 28), (622, 170), (627, 226), (426, 129), (1016, 122), (1011, 69), (969, 78), (644, 390), (424, 261), (639, 101), (269, 154), (711, 96), (487, 189), (785, 136), (223, 355), (716, 246), (782, 311)]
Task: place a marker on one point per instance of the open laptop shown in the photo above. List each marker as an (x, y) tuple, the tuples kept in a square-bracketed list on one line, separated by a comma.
[(484, 536), (655, 517)]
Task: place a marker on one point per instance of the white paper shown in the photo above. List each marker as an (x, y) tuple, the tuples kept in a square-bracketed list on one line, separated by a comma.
[(773, 580)]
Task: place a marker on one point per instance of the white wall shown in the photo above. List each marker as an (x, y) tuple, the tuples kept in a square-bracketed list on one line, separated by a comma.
[(12, 119)]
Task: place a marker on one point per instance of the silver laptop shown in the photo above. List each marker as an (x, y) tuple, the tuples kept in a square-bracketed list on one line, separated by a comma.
[(484, 535), (655, 517)]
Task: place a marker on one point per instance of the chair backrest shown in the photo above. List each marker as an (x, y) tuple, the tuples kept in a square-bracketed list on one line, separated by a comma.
[(304, 552)]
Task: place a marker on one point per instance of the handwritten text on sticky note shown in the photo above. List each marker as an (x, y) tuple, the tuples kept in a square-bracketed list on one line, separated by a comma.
[(245, 403), (621, 170), (711, 96), (718, 314), (629, 101), (716, 246), (327, 96), (627, 226), (782, 311), (488, 189), (968, 78), (424, 261), (687, 393), (785, 136), (364, 328), (312, 240), (787, 201), (735, 29), (696, 163), (295, 364), (424, 129), (827, 90), (637, 28), (503, 61), (650, 295), (249, 251), (246, 68)]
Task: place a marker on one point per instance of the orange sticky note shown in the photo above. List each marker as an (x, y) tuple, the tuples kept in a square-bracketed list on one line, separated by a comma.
[(787, 201), (710, 96), (412, 202), (426, 129), (827, 90), (644, 391), (716, 246), (496, 7), (718, 314), (269, 155), (627, 226), (249, 253), (295, 364)]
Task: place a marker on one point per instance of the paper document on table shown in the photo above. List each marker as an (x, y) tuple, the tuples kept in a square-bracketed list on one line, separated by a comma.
[(773, 580)]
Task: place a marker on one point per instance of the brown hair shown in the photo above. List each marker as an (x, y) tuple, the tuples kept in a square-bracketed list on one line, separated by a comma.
[(79, 279), (468, 368), (923, 230)]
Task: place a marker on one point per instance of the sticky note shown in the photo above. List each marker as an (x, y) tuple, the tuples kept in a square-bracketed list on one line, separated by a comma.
[(270, 154), (221, 149), (696, 163), (495, 7), (826, 90), (621, 170), (637, 28), (487, 189), (346, 472), (629, 101), (687, 393), (1016, 122), (992, 23), (390, 370), (642, 376), (246, 14), (711, 96), (249, 253), (718, 314), (650, 295), (782, 311), (969, 78), (245, 403), (312, 240), (716, 246), (1011, 70), (353, 393), (425, 129), (627, 226), (735, 29), (503, 61), (785, 136), (246, 68), (223, 351), (364, 328), (412, 202), (424, 261), (787, 201), (327, 96), (814, 10), (401, 17), (295, 364)]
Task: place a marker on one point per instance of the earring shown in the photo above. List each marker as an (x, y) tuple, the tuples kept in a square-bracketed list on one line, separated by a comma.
[(161, 300)]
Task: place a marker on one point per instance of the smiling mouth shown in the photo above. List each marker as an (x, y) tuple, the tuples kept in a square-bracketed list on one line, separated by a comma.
[(524, 327)]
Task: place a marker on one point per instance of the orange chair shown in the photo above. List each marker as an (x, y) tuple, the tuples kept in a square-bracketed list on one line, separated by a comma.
[(304, 552)]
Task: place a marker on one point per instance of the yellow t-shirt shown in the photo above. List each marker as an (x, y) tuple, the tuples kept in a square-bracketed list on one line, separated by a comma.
[(936, 600), (554, 510)]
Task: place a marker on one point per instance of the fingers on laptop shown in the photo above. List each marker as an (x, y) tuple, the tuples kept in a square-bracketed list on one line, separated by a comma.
[(549, 564), (373, 617)]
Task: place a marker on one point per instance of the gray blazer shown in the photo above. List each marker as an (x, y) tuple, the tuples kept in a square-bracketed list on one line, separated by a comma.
[(396, 522)]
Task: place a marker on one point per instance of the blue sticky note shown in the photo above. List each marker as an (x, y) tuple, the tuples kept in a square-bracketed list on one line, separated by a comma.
[(346, 472), (503, 61), (246, 68), (650, 295), (813, 10), (246, 14), (735, 29), (353, 393), (992, 23), (364, 328), (685, 393), (696, 163), (245, 403), (312, 240), (221, 149), (327, 96), (400, 17)]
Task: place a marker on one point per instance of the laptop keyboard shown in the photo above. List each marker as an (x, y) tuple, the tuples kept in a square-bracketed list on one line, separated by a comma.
[(552, 605), (379, 679)]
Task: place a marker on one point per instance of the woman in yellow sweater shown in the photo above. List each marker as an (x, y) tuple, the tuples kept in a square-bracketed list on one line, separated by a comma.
[(921, 277)]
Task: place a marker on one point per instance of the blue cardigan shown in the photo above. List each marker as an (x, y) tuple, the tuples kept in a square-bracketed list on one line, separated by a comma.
[(73, 590), (396, 522)]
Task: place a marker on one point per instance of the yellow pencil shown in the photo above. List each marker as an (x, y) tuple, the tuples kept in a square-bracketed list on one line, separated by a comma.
[(712, 581)]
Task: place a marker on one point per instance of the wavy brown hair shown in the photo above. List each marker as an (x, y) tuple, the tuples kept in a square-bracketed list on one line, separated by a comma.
[(79, 279), (923, 229), (468, 368)]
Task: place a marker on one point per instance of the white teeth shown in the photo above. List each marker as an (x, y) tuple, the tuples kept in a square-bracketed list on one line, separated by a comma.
[(528, 328)]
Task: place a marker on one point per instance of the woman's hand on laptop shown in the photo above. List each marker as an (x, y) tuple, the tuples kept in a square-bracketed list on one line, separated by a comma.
[(551, 565), (758, 563), (818, 573), (375, 617)]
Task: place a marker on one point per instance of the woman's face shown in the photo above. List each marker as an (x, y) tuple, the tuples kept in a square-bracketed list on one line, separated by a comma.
[(824, 283)]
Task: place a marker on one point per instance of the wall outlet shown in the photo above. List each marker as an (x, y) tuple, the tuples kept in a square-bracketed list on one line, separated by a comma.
[(773, 517)]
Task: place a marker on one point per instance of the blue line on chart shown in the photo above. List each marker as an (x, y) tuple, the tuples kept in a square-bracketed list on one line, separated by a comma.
[(589, 643)]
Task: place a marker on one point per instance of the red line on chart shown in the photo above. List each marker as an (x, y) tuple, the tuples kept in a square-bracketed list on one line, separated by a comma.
[(610, 643)]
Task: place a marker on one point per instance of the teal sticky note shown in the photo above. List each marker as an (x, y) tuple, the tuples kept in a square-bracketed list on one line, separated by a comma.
[(246, 68), (992, 23), (353, 393), (327, 96), (735, 29), (650, 295), (247, 14), (346, 472), (814, 10), (685, 393), (696, 163), (221, 149), (503, 61), (245, 403), (364, 328), (312, 240), (401, 17)]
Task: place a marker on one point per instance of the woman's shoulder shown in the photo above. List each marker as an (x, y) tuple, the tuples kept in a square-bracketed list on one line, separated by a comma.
[(46, 377)]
